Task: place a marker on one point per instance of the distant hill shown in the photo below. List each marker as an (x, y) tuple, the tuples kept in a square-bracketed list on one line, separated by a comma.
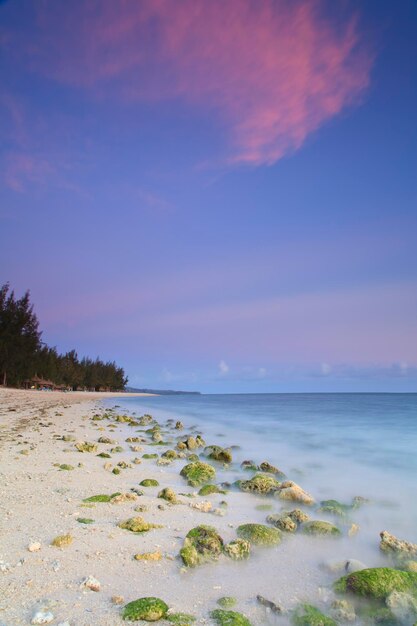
[(163, 392)]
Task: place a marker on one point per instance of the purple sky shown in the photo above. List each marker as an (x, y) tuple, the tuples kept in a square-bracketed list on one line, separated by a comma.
[(219, 196)]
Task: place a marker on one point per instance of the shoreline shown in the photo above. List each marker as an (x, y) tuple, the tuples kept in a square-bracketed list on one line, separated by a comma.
[(41, 501)]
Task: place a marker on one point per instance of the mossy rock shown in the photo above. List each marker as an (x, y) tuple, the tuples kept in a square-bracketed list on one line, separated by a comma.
[(268, 468), (137, 525), (169, 495), (382, 616), (229, 618), (116, 471), (318, 527), (198, 473), (202, 543), (62, 541), (237, 549), (308, 615), (66, 467), (207, 490), (262, 484), (216, 453), (334, 507), (170, 454), (149, 482), (104, 455), (116, 449), (283, 522), (147, 609), (85, 520), (85, 446), (149, 456), (227, 602), (192, 458), (377, 582), (180, 619), (259, 534)]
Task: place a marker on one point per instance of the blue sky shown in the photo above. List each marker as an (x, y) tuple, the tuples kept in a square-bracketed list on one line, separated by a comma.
[(218, 198)]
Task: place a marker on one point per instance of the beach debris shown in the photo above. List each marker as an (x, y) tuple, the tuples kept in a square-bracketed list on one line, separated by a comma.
[(259, 535), (272, 606), (148, 609), (318, 527), (390, 543), (223, 455), (117, 599), (262, 484), (62, 541), (201, 544), (85, 446), (102, 497), (229, 618), (376, 582), (309, 615), (237, 549), (227, 602), (198, 473), (148, 556), (42, 617), (149, 482), (137, 525), (35, 546), (169, 495), (343, 611), (289, 490), (90, 583)]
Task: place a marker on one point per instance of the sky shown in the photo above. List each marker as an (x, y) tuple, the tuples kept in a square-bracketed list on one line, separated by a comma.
[(219, 196)]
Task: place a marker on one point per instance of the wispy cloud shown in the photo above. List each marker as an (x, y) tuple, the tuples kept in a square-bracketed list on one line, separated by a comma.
[(271, 72)]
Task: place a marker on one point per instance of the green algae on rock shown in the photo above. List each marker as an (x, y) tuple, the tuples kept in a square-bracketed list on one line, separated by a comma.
[(308, 615), (268, 468), (66, 467), (149, 456), (104, 455), (260, 483), (226, 602), (318, 527), (223, 455), (180, 619), (198, 473), (170, 454), (377, 582), (62, 541), (229, 618), (289, 490), (137, 525), (149, 482), (237, 549), (169, 495), (390, 544), (201, 544), (147, 609), (85, 446), (85, 520), (334, 507), (207, 490), (259, 534)]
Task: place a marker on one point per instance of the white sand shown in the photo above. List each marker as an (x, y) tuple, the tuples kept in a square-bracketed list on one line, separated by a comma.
[(39, 501)]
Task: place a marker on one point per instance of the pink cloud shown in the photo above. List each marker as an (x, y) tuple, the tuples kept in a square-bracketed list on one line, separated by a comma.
[(273, 71), (22, 168)]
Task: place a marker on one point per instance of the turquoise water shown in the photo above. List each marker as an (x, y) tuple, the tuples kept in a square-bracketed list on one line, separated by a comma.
[(335, 446)]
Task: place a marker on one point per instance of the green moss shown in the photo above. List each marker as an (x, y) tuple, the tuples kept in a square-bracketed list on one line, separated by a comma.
[(169, 495), (66, 467), (84, 446), (85, 520), (238, 549), (223, 455), (377, 582), (308, 615), (149, 482), (268, 468), (137, 525), (201, 544), (149, 456), (198, 473), (317, 527), (227, 602), (116, 471), (147, 609), (62, 541), (334, 507), (193, 458), (104, 455), (116, 449), (180, 619), (264, 507), (170, 454), (259, 534), (101, 497), (229, 618), (262, 484), (207, 490)]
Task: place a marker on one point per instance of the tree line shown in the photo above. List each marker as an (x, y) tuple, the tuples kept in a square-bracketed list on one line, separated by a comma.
[(23, 356)]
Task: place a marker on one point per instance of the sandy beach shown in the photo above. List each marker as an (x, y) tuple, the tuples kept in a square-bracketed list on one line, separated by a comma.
[(45, 481)]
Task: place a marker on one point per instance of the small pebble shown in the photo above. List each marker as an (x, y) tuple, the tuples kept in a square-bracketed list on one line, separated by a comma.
[(90, 583), (117, 599), (34, 547), (42, 618)]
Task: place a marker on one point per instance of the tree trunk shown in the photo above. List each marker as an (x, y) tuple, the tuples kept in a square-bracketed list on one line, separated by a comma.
[(4, 379)]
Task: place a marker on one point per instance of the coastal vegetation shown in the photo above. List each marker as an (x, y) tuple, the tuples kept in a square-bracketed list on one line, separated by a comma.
[(25, 360)]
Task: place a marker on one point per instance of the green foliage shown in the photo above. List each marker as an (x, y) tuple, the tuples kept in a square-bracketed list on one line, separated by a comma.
[(23, 356)]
